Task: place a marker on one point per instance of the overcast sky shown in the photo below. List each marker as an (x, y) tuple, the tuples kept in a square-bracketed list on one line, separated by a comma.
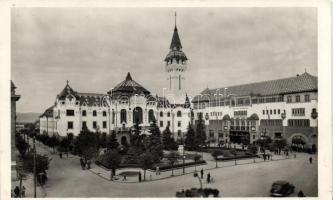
[(94, 48)]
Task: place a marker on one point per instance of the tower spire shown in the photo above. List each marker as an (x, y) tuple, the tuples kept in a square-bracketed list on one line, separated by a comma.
[(175, 19)]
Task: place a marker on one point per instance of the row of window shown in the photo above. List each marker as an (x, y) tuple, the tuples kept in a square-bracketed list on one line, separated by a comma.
[(299, 122), (240, 113), (179, 114), (246, 101), (179, 124), (271, 122), (298, 111), (84, 113), (70, 124), (215, 113), (297, 98), (272, 112)]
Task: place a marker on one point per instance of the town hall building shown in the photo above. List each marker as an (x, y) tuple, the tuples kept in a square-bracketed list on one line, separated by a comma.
[(282, 108)]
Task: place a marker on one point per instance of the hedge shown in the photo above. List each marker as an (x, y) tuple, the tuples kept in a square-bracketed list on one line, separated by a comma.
[(180, 165)]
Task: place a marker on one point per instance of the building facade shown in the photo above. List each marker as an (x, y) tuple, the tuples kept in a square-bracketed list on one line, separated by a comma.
[(283, 108), (14, 98), (126, 104)]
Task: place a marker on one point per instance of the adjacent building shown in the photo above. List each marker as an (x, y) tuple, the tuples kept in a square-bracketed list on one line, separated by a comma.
[(283, 108)]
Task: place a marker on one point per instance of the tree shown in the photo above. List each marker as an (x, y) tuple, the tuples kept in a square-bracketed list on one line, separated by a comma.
[(112, 142), (190, 143), (21, 145), (200, 135), (87, 144), (53, 142), (112, 160), (103, 140), (172, 158), (42, 163), (168, 142), (196, 159), (216, 154), (64, 145), (154, 144), (136, 138), (146, 162), (264, 142)]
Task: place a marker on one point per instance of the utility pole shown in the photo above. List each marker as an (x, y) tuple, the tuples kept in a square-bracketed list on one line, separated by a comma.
[(34, 152)]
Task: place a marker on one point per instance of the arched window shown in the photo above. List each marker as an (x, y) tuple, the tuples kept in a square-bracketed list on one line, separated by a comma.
[(168, 114), (161, 114), (151, 116), (84, 113), (94, 113), (104, 113), (137, 115), (179, 113), (123, 116)]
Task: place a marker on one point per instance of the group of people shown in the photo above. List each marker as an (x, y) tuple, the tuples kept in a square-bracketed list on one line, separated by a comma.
[(19, 192), (209, 178), (85, 165), (267, 157)]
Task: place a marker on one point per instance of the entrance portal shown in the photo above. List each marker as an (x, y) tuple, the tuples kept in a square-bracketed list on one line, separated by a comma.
[(239, 137)]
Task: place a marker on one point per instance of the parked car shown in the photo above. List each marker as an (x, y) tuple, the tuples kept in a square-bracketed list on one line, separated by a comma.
[(282, 189)]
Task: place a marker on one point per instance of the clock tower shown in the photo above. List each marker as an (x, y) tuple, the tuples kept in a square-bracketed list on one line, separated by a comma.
[(175, 66)]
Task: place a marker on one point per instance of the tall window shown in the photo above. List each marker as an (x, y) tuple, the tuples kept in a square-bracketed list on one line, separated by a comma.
[(113, 115), (94, 113), (94, 124), (104, 124), (151, 116), (84, 124), (104, 113), (69, 112), (161, 123), (307, 98), (168, 114), (179, 113), (123, 116), (161, 114), (84, 113), (298, 98), (137, 115), (168, 123), (288, 99), (179, 123), (70, 125)]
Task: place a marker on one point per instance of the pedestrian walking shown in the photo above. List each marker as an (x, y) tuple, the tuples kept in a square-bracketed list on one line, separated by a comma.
[(88, 164), (287, 154), (300, 194), (310, 160), (124, 178), (17, 191), (157, 170), (140, 178), (60, 155), (202, 173), (82, 164), (208, 177)]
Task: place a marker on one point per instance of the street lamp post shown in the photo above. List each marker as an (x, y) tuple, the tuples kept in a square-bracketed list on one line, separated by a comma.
[(34, 168)]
